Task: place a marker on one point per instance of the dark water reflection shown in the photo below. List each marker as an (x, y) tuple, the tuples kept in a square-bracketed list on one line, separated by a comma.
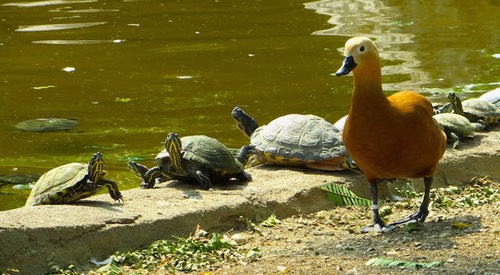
[(132, 71)]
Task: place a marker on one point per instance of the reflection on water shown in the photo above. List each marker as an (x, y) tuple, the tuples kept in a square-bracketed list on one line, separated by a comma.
[(427, 45), (45, 3), (76, 42), (57, 27), (132, 71)]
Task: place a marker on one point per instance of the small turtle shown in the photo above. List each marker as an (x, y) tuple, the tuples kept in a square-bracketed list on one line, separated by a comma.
[(71, 182), (194, 158), (457, 126), (51, 124), (475, 109), (296, 140), (442, 108), (492, 97)]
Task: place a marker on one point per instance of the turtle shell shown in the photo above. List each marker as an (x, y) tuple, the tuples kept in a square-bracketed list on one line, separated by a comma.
[(298, 138), (47, 124), (482, 109), (456, 123), (492, 97), (209, 153), (162, 158), (59, 179)]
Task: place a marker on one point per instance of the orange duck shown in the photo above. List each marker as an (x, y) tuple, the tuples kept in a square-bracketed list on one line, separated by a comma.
[(388, 137)]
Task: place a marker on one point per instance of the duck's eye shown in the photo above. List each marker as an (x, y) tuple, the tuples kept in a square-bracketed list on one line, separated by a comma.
[(362, 49)]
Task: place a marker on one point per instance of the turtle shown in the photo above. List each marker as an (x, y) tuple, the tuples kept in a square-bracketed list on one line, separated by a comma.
[(339, 124), (296, 140), (457, 126), (442, 108), (197, 158), (50, 124), (71, 182), (492, 97), (475, 109)]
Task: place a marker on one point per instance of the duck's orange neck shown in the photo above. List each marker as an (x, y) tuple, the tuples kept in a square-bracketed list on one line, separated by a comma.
[(368, 85)]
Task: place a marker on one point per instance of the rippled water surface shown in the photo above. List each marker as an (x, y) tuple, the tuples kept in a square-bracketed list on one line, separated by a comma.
[(131, 71)]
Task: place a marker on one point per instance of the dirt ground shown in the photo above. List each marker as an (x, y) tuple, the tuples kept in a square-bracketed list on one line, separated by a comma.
[(465, 239), (462, 232)]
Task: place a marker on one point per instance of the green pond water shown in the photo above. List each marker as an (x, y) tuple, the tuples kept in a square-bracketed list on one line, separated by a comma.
[(132, 71)]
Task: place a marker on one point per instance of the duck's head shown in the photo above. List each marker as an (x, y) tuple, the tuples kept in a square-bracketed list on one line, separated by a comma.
[(359, 52)]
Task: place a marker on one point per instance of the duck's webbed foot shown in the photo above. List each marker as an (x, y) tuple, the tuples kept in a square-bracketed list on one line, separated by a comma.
[(378, 224), (423, 210), (378, 228), (418, 216)]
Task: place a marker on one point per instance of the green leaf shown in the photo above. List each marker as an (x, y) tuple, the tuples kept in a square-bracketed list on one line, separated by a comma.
[(340, 195), (399, 263), (271, 221)]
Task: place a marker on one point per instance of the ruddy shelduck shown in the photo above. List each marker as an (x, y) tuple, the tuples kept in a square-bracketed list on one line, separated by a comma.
[(388, 137)]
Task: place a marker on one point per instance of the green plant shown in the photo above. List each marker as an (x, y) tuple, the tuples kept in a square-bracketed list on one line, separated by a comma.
[(271, 221), (340, 195), (399, 263), (200, 250)]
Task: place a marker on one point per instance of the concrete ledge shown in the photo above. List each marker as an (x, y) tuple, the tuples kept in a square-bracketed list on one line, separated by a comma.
[(33, 237)]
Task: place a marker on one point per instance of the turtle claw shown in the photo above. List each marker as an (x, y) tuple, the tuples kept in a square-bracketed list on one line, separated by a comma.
[(147, 185), (205, 182), (244, 176)]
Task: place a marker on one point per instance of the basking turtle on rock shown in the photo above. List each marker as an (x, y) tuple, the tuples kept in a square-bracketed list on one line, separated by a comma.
[(457, 126), (194, 158), (296, 140), (71, 182), (475, 109), (492, 97)]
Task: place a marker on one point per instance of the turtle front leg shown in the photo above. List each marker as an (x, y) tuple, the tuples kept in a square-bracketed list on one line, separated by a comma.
[(151, 176), (142, 172), (113, 190), (244, 154), (203, 179)]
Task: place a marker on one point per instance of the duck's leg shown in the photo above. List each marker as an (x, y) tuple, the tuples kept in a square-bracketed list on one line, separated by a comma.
[(378, 224), (423, 211)]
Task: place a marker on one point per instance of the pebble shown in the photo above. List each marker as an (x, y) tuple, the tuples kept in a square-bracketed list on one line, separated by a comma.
[(391, 253), (239, 239)]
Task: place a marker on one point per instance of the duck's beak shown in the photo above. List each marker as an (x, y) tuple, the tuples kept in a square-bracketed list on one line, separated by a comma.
[(347, 66)]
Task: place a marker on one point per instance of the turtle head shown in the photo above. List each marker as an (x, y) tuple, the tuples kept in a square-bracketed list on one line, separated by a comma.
[(173, 146), (456, 103), (359, 52), (246, 123), (96, 168), (139, 170)]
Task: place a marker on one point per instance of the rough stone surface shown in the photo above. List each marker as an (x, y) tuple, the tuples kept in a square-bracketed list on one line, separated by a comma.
[(34, 238)]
